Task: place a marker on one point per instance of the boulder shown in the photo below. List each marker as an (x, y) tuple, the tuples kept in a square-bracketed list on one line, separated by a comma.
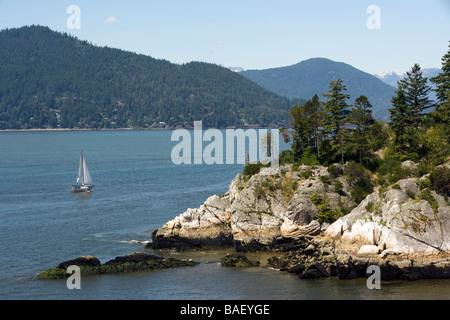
[(87, 261), (396, 222), (368, 250), (237, 260)]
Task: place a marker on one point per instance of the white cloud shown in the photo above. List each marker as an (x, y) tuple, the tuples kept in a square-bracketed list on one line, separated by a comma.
[(110, 20)]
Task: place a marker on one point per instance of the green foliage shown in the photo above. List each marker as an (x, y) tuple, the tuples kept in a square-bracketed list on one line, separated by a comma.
[(339, 188), (252, 169), (313, 76), (53, 274), (286, 156), (49, 79), (370, 206), (424, 184), (325, 179), (326, 212), (440, 180), (427, 196), (359, 180), (306, 173), (390, 169), (237, 260)]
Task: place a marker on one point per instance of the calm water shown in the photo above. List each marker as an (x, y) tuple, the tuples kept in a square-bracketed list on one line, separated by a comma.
[(137, 189)]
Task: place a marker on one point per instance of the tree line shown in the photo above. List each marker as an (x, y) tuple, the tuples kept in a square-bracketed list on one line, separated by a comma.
[(50, 79), (332, 130)]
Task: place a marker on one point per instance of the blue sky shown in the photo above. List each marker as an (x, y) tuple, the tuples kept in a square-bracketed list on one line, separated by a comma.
[(254, 34)]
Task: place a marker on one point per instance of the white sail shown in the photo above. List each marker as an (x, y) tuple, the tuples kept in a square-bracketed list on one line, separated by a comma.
[(84, 181), (86, 176), (80, 179)]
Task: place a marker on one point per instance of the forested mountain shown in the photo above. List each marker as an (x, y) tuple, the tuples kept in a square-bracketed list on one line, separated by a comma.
[(50, 79), (313, 76)]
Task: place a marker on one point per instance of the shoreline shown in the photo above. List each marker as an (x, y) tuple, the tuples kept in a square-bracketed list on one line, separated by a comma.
[(83, 129), (129, 129)]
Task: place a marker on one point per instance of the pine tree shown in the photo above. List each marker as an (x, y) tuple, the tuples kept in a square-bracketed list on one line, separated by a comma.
[(410, 102), (401, 118), (307, 122), (442, 81), (361, 118), (416, 94), (336, 109)]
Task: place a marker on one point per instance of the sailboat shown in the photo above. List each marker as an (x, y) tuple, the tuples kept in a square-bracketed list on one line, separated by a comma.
[(84, 181)]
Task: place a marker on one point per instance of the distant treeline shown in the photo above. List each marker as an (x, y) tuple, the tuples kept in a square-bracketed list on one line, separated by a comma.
[(50, 80)]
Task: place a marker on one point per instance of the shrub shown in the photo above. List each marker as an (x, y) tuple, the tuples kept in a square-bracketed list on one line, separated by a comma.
[(252, 169), (286, 156), (423, 184), (359, 180), (440, 180), (339, 188), (325, 179), (410, 194), (370, 206), (334, 171), (306, 173), (427, 196)]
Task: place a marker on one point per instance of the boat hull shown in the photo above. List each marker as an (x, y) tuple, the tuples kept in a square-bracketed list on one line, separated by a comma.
[(84, 188)]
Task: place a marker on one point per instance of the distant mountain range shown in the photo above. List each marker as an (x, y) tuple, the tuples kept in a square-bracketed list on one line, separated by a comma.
[(50, 80), (391, 77), (313, 76)]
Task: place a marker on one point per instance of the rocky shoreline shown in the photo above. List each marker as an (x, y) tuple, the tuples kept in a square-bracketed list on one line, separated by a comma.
[(286, 210)]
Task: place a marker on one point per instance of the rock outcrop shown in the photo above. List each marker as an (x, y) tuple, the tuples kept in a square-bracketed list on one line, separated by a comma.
[(133, 262), (398, 222), (312, 258), (255, 211), (403, 228)]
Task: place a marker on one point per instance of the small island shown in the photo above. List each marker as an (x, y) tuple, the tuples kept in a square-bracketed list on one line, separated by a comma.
[(133, 262)]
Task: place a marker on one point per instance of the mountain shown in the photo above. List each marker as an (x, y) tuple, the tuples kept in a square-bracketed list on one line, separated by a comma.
[(313, 76), (50, 79), (392, 77)]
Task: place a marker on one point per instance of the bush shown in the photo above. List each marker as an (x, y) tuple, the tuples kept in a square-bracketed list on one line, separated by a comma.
[(427, 196), (359, 180), (252, 169), (391, 169), (286, 156), (440, 180), (339, 188), (334, 171), (423, 184)]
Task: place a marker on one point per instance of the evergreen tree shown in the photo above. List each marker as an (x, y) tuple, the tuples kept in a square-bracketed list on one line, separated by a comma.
[(401, 119), (410, 102), (336, 109), (361, 118), (416, 94), (442, 81), (307, 122), (438, 133)]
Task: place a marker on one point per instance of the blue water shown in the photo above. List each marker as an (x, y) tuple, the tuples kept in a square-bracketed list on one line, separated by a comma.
[(137, 189)]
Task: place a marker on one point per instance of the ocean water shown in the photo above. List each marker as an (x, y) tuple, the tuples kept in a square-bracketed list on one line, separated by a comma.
[(137, 189)]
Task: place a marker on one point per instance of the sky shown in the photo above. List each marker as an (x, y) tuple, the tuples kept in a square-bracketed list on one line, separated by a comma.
[(371, 35)]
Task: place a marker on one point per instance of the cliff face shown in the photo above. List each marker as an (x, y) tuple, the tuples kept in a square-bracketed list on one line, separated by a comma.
[(396, 222), (256, 212), (278, 206)]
